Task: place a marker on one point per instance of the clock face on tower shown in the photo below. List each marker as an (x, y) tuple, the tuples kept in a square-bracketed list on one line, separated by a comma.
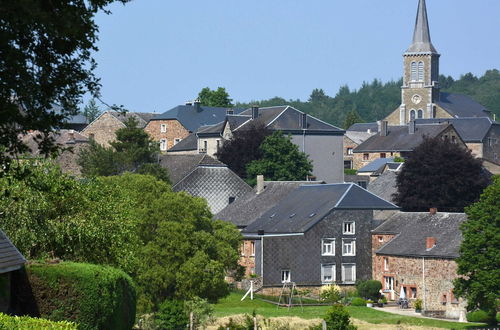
[(416, 99)]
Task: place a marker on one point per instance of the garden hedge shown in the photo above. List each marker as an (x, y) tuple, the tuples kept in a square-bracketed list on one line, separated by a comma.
[(26, 322), (94, 296)]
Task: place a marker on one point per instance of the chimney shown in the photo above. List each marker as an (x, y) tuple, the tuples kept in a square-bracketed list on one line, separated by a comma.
[(382, 127), (433, 210), (229, 111), (255, 112), (197, 105), (430, 242), (411, 127), (260, 183), (303, 121)]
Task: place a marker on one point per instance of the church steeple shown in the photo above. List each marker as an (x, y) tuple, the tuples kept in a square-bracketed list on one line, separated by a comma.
[(421, 36)]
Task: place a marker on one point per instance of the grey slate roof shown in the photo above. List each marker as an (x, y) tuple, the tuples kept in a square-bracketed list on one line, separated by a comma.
[(364, 127), (384, 186), (251, 206), (399, 139), (376, 165), (358, 137), (412, 229), (179, 166), (142, 117), (192, 119), (10, 257), (469, 129), (308, 204), (421, 35), (461, 106), (187, 144)]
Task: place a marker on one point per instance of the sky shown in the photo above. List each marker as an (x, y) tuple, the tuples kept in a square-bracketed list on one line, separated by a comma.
[(156, 54)]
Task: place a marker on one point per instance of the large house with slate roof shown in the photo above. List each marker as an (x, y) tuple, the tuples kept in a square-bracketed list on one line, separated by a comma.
[(317, 234), (415, 252)]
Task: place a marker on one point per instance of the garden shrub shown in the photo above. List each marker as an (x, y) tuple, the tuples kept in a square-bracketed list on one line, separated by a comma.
[(171, 315), (337, 318), (26, 322), (94, 296), (478, 316), (357, 301), (330, 294), (369, 289)]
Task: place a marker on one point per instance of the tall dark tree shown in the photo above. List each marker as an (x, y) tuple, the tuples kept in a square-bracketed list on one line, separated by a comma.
[(352, 117), (442, 174), (215, 98), (479, 261), (45, 59), (243, 148)]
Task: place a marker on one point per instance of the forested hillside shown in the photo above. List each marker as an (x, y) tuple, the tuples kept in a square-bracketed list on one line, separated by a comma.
[(375, 100)]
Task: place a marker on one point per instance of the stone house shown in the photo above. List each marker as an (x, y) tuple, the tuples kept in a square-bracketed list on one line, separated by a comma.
[(176, 124), (316, 235), (251, 206), (203, 176), (415, 252), (421, 97), (399, 141), (354, 136), (321, 141), (10, 260), (102, 129)]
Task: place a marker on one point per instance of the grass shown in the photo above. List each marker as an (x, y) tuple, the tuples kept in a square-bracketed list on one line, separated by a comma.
[(232, 305)]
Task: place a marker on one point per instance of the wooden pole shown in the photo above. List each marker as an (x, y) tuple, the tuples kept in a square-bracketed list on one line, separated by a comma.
[(191, 325)]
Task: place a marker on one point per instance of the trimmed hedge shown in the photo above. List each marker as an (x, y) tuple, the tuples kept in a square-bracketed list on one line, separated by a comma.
[(94, 296), (357, 301), (478, 316), (26, 322)]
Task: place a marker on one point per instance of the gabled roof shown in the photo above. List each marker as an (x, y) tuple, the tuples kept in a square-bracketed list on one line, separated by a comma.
[(142, 117), (364, 127), (187, 144), (413, 228), (399, 139), (469, 129), (421, 35), (251, 206), (308, 204), (10, 257), (384, 186), (358, 137), (193, 117), (376, 165), (461, 106), (179, 166)]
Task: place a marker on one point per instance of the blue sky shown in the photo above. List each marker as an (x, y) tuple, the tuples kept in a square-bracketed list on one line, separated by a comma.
[(155, 54)]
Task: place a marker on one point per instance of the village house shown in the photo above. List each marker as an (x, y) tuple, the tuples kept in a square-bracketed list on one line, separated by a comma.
[(415, 253), (10, 260), (353, 137), (316, 235), (102, 130), (203, 176)]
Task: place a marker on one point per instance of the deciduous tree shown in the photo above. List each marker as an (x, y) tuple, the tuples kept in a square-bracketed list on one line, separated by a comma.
[(215, 98)]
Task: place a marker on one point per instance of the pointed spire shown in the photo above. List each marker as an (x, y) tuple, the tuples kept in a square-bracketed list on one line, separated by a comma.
[(421, 36)]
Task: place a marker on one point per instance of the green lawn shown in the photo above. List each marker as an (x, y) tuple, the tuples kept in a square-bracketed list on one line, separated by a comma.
[(232, 305)]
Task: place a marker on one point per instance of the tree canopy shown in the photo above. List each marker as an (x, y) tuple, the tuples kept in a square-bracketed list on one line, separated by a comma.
[(215, 98), (479, 261), (46, 61), (91, 111), (281, 160), (442, 174)]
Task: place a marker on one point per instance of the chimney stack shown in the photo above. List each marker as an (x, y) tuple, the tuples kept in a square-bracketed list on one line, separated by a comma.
[(382, 127), (255, 112), (71, 137), (260, 183), (433, 210), (197, 105), (411, 127), (303, 121), (229, 111), (430, 242)]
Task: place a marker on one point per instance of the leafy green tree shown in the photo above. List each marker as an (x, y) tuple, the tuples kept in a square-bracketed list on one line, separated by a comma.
[(281, 160), (91, 111), (479, 261), (318, 96), (369, 289), (215, 98), (243, 148), (442, 174), (171, 315), (352, 118), (46, 59), (337, 318)]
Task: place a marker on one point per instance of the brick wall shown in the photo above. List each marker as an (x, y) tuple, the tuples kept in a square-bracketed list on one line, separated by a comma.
[(175, 130), (247, 257), (359, 161)]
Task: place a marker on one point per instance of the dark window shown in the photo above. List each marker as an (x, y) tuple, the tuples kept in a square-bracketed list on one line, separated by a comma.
[(383, 155), (231, 199), (348, 164), (420, 114), (453, 139), (366, 156), (362, 184)]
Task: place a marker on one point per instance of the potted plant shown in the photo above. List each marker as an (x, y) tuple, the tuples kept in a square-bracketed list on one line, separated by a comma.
[(382, 301), (369, 303), (418, 305)]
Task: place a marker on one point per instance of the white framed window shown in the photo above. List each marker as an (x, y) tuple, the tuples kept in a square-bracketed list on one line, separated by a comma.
[(328, 247), (348, 247), (386, 263), (286, 276), (327, 273), (163, 144), (177, 140), (380, 239), (349, 227), (348, 273), (388, 283), (163, 128), (252, 248), (420, 71), (349, 151)]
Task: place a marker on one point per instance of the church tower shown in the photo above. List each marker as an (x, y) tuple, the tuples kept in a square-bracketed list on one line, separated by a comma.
[(420, 88)]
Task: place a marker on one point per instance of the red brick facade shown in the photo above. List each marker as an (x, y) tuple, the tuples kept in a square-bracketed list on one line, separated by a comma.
[(247, 256)]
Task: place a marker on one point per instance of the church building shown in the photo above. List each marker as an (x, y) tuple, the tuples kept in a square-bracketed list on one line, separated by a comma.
[(420, 94)]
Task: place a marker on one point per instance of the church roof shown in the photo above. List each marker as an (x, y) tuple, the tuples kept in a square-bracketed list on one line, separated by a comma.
[(461, 106), (421, 36)]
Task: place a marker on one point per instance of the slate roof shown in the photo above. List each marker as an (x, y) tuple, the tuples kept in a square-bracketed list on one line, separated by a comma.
[(461, 106), (412, 229), (308, 204), (421, 35), (142, 117), (358, 137), (384, 186), (363, 127), (192, 119), (251, 206), (376, 165), (469, 129), (10, 257), (179, 166), (399, 139), (187, 144)]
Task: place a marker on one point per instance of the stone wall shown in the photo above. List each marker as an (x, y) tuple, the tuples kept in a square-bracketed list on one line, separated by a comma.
[(175, 130), (103, 129), (349, 144), (247, 256), (359, 161), (492, 145)]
